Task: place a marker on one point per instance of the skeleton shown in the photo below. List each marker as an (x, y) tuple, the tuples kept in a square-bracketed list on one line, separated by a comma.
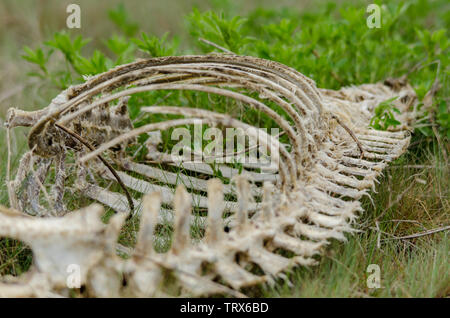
[(331, 160)]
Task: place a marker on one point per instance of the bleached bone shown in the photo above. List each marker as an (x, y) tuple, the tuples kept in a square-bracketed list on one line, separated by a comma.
[(226, 171), (172, 178), (312, 199)]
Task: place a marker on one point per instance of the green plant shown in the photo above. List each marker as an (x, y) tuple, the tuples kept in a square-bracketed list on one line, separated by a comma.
[(443, 118), (155, 46), (384, 116), (334, 49), (219, 29), (120, 18)]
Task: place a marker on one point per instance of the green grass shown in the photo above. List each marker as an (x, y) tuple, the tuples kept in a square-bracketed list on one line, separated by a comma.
[(405, 270), (325, 40), (409, 268)]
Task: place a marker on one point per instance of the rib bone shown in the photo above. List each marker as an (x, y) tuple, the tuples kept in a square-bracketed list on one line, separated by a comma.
[(248, 231)]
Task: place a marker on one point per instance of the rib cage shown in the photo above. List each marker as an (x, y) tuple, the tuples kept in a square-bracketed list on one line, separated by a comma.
[(312, 199)]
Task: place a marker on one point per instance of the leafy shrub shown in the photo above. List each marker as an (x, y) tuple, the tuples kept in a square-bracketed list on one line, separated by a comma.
[(384, 116), (331, 44)]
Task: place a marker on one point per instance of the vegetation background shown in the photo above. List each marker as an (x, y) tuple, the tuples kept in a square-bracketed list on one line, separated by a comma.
[(327, 41)]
